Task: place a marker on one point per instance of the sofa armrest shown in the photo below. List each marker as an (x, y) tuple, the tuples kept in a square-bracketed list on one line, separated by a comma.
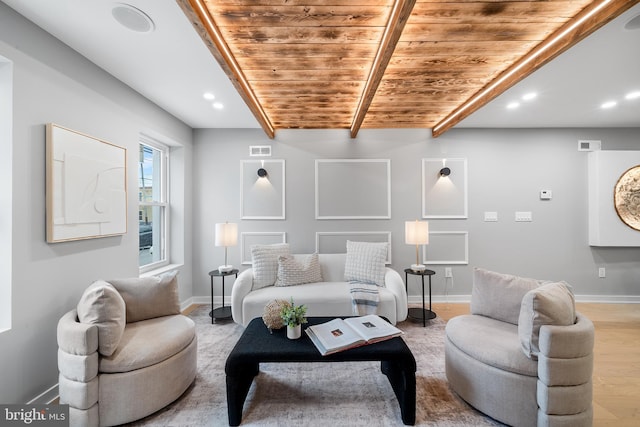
[(567, 342), (393, 281), (241, 288), (75, 337)]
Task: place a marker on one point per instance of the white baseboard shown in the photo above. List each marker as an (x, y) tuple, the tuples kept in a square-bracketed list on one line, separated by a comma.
[(46, 397), (600, 299)]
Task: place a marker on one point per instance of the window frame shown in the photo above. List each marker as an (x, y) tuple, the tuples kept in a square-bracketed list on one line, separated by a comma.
[(164, 203)]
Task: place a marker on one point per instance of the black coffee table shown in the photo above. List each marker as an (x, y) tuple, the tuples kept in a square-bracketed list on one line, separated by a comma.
[(257, 345)]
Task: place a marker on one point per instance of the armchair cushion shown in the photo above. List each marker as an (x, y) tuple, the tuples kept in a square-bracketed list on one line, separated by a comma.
[(499, 295), (366, 262), (298, 270), (102, 305), (264, 260), (149, 297), (549, 304)]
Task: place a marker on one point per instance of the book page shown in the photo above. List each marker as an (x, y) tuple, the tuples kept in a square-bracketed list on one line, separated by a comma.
[(335, 334), (372, 327)]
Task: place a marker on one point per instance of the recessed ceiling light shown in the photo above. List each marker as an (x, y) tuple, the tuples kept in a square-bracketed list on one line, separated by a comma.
[(609, 104), (209, 96), (132, 18), (633, 95), (217, 105), (529, 96), (513, 105), (633, 23)]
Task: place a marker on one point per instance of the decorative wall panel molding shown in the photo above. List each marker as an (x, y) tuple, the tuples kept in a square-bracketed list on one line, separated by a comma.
[(447, 247), (86, 186), (250, 238), (262, 197), (353, 189), (335, 242), (444, 195)]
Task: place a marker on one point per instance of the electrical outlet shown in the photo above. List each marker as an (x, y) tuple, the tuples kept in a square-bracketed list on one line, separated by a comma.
[(447, 272), (602, 272), (524, 217)]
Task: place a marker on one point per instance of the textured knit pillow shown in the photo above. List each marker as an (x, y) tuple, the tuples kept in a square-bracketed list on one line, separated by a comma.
[(265, 263), (498, 295), (365, 262), (149, 297), (298, 270), (550, 304), (103, 306)]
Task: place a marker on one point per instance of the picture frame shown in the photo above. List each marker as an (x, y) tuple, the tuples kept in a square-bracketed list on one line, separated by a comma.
[(86, 186)]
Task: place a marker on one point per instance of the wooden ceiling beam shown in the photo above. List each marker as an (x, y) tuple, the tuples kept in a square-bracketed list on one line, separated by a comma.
[(397, 20), (200, 17), (586, 22)]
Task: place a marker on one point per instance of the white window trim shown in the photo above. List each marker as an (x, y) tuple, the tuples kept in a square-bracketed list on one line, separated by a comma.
[(165, 242)]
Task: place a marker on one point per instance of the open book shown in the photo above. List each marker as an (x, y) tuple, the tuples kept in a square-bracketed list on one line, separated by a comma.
[(342, 334)]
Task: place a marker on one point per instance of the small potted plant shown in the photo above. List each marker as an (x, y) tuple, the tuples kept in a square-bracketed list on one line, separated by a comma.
[(293, 316)]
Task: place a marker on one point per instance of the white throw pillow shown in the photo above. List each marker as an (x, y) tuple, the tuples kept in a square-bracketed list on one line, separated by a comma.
[(298, 270), (365, 262), (102, 305), (550, 304), (265, 263)]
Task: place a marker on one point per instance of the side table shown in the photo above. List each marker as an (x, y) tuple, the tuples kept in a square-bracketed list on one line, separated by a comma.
[(223, 312), (420, 314)]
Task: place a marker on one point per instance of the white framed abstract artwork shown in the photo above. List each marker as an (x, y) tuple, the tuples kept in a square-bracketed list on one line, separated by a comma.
[(86, 186)]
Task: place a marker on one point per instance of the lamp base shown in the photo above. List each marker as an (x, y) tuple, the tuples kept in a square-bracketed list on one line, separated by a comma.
[(418, 268), (225, 268)]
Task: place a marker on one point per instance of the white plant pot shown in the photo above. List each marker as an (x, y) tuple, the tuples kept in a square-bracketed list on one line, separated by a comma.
[(294, 332)]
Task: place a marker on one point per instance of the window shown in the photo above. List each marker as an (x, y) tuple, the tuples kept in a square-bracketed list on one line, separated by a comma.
[(6, 180), (153, 199)]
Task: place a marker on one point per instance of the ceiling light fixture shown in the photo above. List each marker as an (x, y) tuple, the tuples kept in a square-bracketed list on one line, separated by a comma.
[(132, 18), (529, 96), (542, 48), (217, 105), (609, 104), (209, 96), (513, 105)]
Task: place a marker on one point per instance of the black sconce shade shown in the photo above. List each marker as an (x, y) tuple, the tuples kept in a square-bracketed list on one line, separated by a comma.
[(262, 172), (445, 171)]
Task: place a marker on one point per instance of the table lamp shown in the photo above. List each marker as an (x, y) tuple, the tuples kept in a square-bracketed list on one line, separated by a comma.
[(226, 235), (416, 233)]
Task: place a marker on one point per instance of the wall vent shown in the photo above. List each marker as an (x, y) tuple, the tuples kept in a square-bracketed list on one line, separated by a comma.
[(584, 145), (260, 151)]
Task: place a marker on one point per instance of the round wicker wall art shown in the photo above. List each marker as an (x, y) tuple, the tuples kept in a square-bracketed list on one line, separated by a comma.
[(626, 197)]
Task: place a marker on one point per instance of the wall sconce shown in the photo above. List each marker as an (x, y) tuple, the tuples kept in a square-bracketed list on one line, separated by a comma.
[(262, 172), (445, 171)]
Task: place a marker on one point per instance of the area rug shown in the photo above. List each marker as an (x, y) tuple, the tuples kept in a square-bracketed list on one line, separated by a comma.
[(317, 394)]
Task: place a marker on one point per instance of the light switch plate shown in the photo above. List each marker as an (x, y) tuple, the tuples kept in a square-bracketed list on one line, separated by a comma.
[(524, 217), (491, 216)]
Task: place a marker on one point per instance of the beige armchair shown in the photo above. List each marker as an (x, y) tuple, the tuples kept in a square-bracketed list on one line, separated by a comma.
[(125, 351), (524, 356)]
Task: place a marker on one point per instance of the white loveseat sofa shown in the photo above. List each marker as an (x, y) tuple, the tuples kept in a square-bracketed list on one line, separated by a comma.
[(524, 356), (125, 351), (329, 297)]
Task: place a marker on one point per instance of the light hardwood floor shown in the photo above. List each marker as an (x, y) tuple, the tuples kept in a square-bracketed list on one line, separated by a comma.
[(616, 371)]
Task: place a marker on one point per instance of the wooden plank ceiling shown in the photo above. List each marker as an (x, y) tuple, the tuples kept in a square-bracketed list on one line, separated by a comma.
[(352, 64)]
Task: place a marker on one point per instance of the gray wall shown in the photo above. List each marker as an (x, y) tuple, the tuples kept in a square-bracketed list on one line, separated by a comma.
[(52, 83), (506, 170)]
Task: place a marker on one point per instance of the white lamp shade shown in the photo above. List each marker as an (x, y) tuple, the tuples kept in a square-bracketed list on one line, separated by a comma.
[(416, 232), (226, 234)]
